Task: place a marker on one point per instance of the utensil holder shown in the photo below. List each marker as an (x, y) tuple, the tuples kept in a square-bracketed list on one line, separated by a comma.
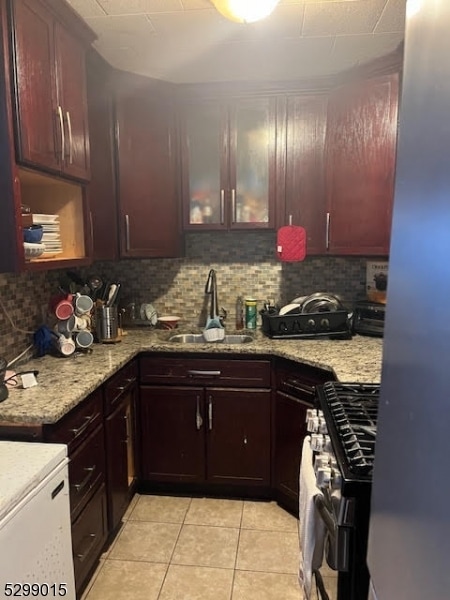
[(107, 324)]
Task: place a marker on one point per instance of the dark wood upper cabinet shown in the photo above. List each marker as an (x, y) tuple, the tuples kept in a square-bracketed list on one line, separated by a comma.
[(305, 199), (146, 162), (49, 90), (228, 163), (102, 186), (360, 166)]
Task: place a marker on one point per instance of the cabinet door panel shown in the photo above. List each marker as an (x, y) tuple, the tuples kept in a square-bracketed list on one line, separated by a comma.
[(35, 86), (290, 431), (205, 169), (117, 459), (147, 183), (252, 143), (238, 436), (172, 434), (305, 181), (361, 145), (71, 82)]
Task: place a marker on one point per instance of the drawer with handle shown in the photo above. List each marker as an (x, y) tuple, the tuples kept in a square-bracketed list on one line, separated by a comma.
[(86, 470), (300, 380), (89, 534), (78, 423), (118, 385), (205, 371)]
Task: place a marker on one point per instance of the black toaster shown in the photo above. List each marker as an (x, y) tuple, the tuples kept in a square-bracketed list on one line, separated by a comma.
[(368, 318)]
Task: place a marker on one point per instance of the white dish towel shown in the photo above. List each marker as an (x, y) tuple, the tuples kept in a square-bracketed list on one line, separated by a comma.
[(311, 526)]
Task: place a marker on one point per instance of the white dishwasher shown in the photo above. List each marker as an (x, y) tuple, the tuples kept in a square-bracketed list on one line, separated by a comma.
[(35, 538)]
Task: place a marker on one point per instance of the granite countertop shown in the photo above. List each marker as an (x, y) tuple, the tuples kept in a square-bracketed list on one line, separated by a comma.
[(64, 382)]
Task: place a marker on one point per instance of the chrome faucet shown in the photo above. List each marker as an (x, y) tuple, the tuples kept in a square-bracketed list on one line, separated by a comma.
[(211, 288)]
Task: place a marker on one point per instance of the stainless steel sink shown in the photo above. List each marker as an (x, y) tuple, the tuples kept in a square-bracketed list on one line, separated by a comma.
[(197, 338)]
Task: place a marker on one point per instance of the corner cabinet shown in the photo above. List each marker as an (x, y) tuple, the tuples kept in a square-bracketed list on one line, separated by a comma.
[(294, 394), (228, 164), (205, 422), (146, 163), (50, 91), (360, 166)]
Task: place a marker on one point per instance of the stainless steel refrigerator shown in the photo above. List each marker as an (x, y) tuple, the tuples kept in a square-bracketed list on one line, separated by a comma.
[(409, 542)]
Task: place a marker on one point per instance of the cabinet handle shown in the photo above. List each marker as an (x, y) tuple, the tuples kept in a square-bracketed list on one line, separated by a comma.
[(210, 412), (222, 206), (295, 385), (327, 232), (198, 416), (196, 373), (79, 430), (63, 137), (91, 544), (127, 233), (233, 205), (290, 220), (80, 486), (69, 128)]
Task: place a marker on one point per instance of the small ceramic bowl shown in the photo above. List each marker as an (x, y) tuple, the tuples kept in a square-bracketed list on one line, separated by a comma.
[(33, 234), (168, 322)]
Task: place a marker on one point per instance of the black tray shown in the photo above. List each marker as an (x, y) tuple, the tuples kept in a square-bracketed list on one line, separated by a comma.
[(335, 325)]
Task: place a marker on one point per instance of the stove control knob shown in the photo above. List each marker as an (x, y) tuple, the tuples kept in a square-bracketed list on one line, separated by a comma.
[(323, 476), (310, 324), (336, 479)]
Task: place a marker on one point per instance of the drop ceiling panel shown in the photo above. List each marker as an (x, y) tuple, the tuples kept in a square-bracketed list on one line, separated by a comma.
[(392, 18), (342, 17), (132, 7), (189, 41), (352, 50)]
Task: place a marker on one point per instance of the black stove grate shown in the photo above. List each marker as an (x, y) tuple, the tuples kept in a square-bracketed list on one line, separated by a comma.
[(353, 408)]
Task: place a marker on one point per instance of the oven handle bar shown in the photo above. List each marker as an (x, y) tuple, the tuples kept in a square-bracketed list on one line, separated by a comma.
[(326, 515)]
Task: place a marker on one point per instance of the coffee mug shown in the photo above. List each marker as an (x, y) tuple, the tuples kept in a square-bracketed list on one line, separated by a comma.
[(66, 326), (65, 345), (84, 339), (83, 304), (61, 305)]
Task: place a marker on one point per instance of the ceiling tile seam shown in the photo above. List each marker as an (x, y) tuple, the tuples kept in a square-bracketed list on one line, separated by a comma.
[(380, 17), (101, 7)]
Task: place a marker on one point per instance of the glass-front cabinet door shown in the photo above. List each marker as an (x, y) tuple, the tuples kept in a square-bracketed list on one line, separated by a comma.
[(205, 167), (228, 150), (252, 149)]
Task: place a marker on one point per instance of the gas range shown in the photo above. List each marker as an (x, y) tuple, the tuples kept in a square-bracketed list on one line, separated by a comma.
[(343, 435), (351, 411)]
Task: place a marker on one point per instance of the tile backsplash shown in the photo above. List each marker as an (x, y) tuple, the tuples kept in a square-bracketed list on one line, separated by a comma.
[(245, 264)]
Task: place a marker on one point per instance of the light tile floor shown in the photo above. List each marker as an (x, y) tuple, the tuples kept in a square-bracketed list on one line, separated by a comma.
[(173, 548)]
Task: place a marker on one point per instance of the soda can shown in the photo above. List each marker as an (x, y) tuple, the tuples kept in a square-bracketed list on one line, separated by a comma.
[(250, 313)]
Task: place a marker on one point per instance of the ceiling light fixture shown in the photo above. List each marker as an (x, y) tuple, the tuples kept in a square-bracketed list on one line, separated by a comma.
[(245, 11)]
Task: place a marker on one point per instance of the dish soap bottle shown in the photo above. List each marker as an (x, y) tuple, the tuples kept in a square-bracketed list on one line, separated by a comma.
[(239, 313)]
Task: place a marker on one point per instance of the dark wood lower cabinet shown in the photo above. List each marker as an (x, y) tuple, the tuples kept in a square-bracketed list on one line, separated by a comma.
[(89, 534), (238, 436), (290, 431), (294, 393), (205, 435), (120, 433), (172, 436)]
